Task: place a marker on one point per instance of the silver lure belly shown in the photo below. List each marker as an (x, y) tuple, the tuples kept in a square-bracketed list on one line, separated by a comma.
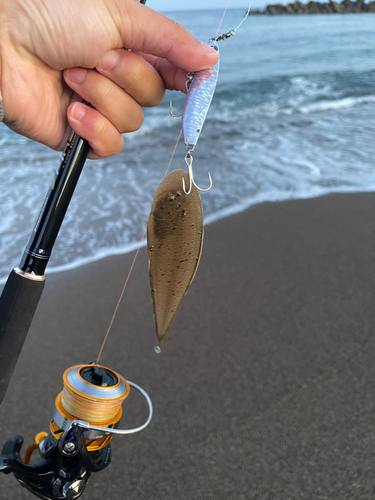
[(197, 103)]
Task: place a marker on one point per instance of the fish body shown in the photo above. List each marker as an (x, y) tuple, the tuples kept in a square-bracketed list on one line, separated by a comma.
[(175, 239), (197, 103)]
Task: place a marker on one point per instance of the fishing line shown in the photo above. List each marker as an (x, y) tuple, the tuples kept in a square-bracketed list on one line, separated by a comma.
[(231, 32), (247, 15), (222, 18)]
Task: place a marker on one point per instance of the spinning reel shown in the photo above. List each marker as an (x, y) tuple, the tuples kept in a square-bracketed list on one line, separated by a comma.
[(84, 420)]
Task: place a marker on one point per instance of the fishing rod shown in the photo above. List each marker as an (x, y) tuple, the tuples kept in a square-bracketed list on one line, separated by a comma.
[(87, 412), (24, 286)]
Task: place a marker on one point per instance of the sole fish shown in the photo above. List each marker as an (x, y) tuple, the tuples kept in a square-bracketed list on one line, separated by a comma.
[(175, 239)]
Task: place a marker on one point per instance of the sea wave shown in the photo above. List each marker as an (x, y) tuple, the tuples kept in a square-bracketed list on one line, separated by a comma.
[(270, 97), (289, 96), (347, 102), (226, 114)]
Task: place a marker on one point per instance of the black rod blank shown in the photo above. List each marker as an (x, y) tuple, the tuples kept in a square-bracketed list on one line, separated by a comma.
[(23, 289)]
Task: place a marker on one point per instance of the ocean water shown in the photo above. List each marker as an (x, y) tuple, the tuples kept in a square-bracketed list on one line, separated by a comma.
[(292, 117)]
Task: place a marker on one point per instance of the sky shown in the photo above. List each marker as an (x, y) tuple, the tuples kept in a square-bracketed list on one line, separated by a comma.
[(170, 5)]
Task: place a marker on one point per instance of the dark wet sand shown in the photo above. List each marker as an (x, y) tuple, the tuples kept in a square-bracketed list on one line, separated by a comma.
[(265, 387)]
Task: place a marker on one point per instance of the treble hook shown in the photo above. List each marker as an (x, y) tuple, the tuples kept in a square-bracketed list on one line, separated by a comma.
[(189, 164)]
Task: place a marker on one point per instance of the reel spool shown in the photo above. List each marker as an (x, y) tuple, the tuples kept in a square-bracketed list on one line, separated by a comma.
[(94, 394)]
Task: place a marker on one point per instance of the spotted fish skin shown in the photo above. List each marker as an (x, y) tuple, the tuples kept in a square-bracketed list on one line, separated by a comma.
[(175, 239)]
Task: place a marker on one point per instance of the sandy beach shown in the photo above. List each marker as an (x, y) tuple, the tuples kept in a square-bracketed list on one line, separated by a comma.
[(265, 385)]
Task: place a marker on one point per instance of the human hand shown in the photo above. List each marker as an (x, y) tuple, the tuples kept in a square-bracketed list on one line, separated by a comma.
[(56, 52)]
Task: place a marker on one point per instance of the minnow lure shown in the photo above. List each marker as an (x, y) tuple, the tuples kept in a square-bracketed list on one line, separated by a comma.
[(197, 103), (200, 91), (175, 239)]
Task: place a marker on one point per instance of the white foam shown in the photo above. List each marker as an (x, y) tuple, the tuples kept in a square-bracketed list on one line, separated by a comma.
[(277, 196), (347, 102), (274, 108)]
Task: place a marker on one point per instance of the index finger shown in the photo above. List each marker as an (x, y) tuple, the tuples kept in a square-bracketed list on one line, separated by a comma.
[(145, 30)]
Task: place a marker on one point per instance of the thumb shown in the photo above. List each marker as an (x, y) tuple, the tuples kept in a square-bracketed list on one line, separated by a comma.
[(145, 30)]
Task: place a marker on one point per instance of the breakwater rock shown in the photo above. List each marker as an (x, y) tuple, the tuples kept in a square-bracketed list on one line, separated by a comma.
[(345, 7)]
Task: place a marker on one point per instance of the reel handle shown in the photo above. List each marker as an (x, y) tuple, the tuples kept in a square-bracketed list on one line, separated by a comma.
[(10, 453)]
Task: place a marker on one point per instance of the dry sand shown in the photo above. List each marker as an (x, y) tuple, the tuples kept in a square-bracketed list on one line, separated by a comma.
[(265, 386)]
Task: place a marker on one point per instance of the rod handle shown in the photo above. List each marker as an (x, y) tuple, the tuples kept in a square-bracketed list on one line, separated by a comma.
[(18, 304)]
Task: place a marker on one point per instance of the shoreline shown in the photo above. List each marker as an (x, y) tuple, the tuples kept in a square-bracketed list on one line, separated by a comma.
[(212, 219)]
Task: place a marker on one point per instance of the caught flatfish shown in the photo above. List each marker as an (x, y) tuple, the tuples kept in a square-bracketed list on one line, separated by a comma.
[(175, 238)]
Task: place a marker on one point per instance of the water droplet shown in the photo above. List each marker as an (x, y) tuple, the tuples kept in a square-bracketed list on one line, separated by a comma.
[(151, 248), (178, 205), (157, 349)]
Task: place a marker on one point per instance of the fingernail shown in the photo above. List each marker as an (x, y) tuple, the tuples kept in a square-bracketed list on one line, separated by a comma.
[(78, 111), (109, 61), (76, 75), (208, 49)]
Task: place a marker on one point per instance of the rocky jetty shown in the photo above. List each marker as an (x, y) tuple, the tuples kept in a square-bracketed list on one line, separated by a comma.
[(345, 7)]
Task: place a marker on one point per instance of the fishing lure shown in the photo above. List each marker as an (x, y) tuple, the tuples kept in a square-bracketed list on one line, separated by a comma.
[(175, 239), (200, 91), (198, 101)]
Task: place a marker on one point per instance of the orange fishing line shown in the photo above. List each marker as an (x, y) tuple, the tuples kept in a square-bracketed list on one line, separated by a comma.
[(94, 411)]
